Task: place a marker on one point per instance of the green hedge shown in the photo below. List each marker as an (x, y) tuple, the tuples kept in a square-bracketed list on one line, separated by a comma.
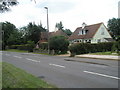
[(84, 48), (26, 47), (43, 45)]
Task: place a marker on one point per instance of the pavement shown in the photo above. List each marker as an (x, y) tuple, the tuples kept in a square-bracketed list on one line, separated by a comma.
[(106, 57)]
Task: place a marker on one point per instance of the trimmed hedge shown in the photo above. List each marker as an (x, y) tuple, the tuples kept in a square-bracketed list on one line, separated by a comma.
[(26, 47), (84, 48), (43, 45)]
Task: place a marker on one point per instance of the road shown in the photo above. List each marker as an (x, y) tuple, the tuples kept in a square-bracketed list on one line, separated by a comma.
[(65, 73)]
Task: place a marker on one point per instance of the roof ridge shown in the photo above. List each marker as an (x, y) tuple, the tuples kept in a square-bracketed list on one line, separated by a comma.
[(95, 24), (91, 25)]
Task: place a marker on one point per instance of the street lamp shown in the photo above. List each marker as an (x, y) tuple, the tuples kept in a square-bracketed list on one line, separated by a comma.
[(48, 29)]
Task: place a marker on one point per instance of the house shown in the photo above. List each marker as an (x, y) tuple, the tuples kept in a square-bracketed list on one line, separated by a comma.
[(58, 33), (91, 34), (45, 35)]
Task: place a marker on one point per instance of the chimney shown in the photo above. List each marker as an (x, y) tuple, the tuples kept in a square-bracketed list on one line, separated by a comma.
[(83, 25)]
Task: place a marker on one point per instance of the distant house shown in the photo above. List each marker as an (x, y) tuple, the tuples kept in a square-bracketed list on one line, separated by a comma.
[(91, 34), (44, 35), (58, 33)]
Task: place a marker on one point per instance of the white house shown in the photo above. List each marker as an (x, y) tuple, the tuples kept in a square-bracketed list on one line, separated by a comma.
[(91, 34)]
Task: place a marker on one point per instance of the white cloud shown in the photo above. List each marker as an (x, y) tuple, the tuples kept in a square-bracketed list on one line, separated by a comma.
[(71, 12)]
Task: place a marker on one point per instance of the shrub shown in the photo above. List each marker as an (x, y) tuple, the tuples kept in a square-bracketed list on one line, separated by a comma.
[(29, 47), (44, 45), (84, 48), (59, 44)]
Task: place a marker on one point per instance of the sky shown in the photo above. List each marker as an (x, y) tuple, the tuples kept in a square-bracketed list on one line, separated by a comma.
[(72, 13)]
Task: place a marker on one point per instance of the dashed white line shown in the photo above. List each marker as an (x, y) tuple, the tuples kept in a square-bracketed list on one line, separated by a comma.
[(17, 56), (101, 75), (32, 60), (57, 65)]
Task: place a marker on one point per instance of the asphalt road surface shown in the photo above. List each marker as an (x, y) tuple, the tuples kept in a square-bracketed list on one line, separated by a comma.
[(66, 73)]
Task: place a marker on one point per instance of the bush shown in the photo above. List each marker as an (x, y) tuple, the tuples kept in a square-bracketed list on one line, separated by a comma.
[(43, 45), (59, 44), (28, 47), (84, 48)]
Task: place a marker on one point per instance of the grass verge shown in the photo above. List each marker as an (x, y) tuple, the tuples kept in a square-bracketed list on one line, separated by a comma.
[(13, 77), (16, 50), (22, 51)]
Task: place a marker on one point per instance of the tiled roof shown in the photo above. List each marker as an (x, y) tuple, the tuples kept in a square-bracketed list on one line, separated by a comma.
[(92, 29), (58, 33)]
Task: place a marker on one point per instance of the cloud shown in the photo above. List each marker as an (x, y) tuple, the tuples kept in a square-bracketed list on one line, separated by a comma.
[(71, 12)]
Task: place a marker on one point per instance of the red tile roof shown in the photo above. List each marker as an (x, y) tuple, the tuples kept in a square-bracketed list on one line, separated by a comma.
[(58, 33), (92, 29)]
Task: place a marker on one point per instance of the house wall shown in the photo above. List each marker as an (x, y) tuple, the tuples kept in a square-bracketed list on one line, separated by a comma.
[(101, 34)]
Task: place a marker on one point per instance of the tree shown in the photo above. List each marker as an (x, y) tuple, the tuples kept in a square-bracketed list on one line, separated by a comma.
[(11, 34), (68, 32), (32, 32), (59, 26), (59, 44), (5, 5), (114, 27)]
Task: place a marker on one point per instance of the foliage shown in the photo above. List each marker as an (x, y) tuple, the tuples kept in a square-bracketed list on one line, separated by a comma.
[(28, 47), (32, 32), (11, 34), (5, 5), (84, 48), (68, 32), (59, 26), (114, 27), (43, 45), (59, 44), (116, 47)]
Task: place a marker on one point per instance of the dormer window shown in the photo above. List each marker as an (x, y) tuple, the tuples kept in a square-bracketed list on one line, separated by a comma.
[(83, 32)]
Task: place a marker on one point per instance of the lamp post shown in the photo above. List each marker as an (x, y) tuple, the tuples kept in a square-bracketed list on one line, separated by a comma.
[(48, 30)]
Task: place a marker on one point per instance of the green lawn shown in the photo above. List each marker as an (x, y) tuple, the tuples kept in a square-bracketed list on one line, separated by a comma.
[(22, 51), (13, 77)]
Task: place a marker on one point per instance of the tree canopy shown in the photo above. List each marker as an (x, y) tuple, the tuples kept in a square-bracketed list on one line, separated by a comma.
[(5, 5), (11, 34), (61, 27), (114, 27), (59, 43)]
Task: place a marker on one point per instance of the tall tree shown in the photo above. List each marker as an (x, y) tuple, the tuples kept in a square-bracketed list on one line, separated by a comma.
[(68, 32), (114, 27), (59, 26), (5, 5), (11, 34), (32, 32)]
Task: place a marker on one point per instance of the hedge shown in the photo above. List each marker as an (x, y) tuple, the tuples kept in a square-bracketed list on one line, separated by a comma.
[(26, 47), (84, 48)]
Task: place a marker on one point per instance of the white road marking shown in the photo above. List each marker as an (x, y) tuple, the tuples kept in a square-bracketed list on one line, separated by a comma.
[(56, 65), (101, 74), (17, 56), (32, 60)]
